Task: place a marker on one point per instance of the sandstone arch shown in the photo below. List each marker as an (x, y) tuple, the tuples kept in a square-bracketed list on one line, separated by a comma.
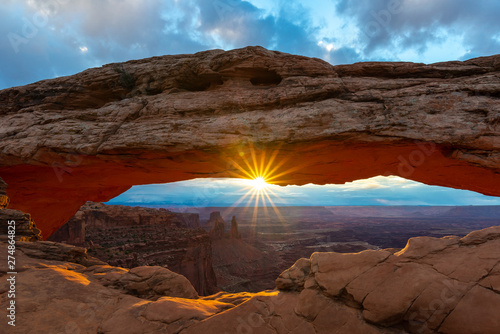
[(92, 135)]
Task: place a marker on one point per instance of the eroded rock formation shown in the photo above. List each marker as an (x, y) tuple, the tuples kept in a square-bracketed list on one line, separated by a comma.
[(449, 286), (217, 226), (25, 228), (238, 265), (135, 236), (92, 135), (98, 216), (234, 233)]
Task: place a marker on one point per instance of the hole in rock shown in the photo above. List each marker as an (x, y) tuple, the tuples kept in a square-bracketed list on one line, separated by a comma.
[(239, 234), (265, 78), (196, 83)]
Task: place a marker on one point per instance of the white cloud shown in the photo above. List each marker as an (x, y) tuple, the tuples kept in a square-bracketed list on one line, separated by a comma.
[(327, 46), (376, 182), (428, 32)]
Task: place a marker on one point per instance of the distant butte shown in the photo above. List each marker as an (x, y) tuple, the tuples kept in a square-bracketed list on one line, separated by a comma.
[(91, 136)]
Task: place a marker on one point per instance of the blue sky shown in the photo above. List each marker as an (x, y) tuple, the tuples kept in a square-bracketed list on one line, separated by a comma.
[(43, 39), (379, 190)]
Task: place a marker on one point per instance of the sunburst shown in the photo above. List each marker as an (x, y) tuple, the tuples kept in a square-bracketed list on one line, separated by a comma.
[(259, 183), (262, 173)]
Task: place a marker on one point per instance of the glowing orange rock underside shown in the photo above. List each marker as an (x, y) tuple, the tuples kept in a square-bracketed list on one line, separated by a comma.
[(52, 196)]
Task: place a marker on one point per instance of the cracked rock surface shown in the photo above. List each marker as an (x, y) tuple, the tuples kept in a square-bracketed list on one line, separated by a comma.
[(448, 285)]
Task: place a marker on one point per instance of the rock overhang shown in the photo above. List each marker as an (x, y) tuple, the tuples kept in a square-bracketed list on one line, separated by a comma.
[(93, 135)]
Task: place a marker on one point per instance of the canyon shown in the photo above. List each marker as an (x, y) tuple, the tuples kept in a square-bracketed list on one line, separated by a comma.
[(132, 237), (351, 228), (240, 264), (254, 251), (212, 258), (434, 285)]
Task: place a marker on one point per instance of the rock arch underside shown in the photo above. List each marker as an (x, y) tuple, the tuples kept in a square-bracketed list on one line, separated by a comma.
[(93, 135)]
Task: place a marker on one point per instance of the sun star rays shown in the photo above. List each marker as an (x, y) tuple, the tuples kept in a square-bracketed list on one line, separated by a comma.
[(262, 173), (259, 183)]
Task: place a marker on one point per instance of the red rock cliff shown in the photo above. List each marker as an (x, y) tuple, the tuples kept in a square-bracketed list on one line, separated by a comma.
[(134, 236)]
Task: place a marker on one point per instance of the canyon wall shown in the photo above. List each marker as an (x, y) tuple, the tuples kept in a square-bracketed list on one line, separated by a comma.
[(134, 236), (96, 216), (238, 265), (93, 135)]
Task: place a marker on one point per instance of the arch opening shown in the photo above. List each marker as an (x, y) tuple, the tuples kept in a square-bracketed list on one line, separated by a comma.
[(238, 228), (73, 179)]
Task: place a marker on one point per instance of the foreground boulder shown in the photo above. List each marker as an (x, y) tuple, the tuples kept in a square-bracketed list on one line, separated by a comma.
[(448, 285)]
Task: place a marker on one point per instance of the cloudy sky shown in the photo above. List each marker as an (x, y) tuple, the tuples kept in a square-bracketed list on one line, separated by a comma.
[(43, 39), (48, 38)]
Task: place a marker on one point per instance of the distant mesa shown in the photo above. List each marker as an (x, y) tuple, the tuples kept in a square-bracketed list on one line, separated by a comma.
[(101, 216)]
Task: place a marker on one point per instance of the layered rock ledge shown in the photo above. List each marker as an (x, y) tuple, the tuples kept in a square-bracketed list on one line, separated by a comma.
[(90, 136), (447, 285)]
